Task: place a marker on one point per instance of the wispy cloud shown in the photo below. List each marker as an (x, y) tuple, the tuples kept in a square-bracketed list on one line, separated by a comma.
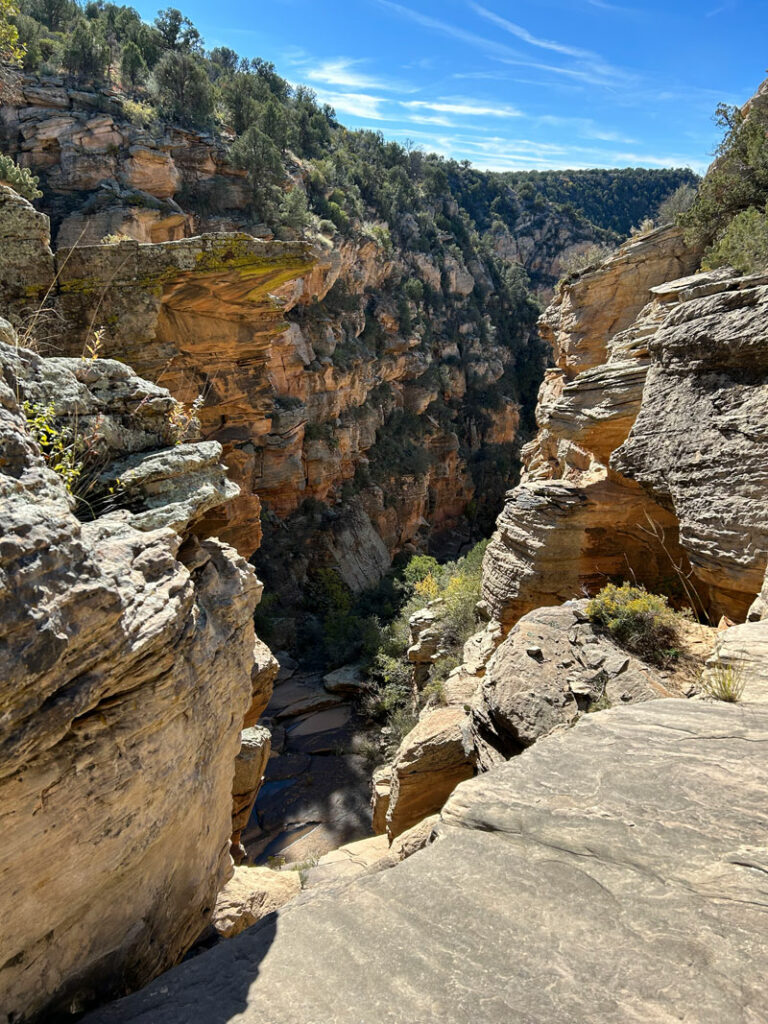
[(343, 72), (721, 9), (527, 37), (616, 8), (596, 75), (489, 45), (465, 108), (586, 128), (358, 104)]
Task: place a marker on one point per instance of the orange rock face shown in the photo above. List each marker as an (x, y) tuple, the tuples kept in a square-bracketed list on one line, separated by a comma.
[(321, 380), (574, 522)]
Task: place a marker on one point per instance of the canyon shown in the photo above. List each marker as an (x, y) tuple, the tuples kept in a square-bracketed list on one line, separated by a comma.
[(569, 830)]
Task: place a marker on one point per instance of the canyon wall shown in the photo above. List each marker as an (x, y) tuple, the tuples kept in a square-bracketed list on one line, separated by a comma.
[(128, 668), (649, 465), (364, 396)]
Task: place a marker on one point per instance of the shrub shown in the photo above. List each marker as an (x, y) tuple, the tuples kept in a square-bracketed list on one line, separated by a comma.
[(638, 621), (140, 114), (19, 178), (743, 244), (724, 682), (589, 259), (680, 201), (10, 48), (737, 180)]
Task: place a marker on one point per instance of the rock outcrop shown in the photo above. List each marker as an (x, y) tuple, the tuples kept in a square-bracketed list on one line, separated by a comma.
[(583, 880), (108, 176), (648, 461), (430, 762), (250, 895), (553, 667), (699, 444), (126, 655)]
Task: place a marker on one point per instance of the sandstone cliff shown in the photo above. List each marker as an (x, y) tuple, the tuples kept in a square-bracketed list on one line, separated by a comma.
[(385, 416), (649, 464), (674, 395), (126, 671)]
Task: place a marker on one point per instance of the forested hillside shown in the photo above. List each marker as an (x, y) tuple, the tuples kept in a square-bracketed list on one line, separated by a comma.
[(274, 128), (616, 199)]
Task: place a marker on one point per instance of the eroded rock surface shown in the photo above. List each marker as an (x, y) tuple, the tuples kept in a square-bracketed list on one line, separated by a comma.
[(553, 667), (574, 521), (125, 673), (430, 762), (672, 400), (250, 895), (587, 880), (700, 444)]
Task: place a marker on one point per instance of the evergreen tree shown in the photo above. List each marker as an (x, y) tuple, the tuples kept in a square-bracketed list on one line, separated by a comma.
[(84, 54), (133, 67), (183, 89), (257, 154)]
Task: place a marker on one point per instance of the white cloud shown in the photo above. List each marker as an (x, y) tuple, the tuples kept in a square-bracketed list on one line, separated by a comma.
[(465, 108), (489, 45), (527, 37), (343, 72), (358, 104)]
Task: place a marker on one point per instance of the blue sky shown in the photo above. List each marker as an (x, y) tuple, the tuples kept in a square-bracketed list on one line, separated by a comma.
[(513, 85)]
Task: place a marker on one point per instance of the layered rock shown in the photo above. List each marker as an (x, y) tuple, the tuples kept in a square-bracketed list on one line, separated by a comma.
[(699, 444), (430, 762), (250, 765), (26, 261), (620, 868), (127, 652), (108, 176), (575, 520), (310, 414)]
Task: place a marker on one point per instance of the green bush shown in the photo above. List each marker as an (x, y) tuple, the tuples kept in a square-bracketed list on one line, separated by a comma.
[(743, 244), (19, 178), (640, 622)]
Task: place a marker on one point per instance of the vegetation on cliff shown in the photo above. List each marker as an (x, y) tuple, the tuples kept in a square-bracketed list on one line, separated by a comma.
[(729, 213), (168, 73)]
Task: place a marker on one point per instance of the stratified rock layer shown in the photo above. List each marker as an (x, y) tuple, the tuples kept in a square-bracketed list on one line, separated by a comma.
[(590, 879), (700, 441), (651, 452), (126, 654)]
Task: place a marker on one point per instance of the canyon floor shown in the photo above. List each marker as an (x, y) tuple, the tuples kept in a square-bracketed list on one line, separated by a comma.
[(317, 785)]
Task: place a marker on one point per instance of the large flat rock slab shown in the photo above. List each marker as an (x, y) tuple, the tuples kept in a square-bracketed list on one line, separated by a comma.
[(616, 872)]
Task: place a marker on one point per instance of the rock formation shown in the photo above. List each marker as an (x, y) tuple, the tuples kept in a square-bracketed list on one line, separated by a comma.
[(698, 445), (250, 895), (553, 667), (320, 412), (430, 762), (647, 462), (583, 880), (125, 673)]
